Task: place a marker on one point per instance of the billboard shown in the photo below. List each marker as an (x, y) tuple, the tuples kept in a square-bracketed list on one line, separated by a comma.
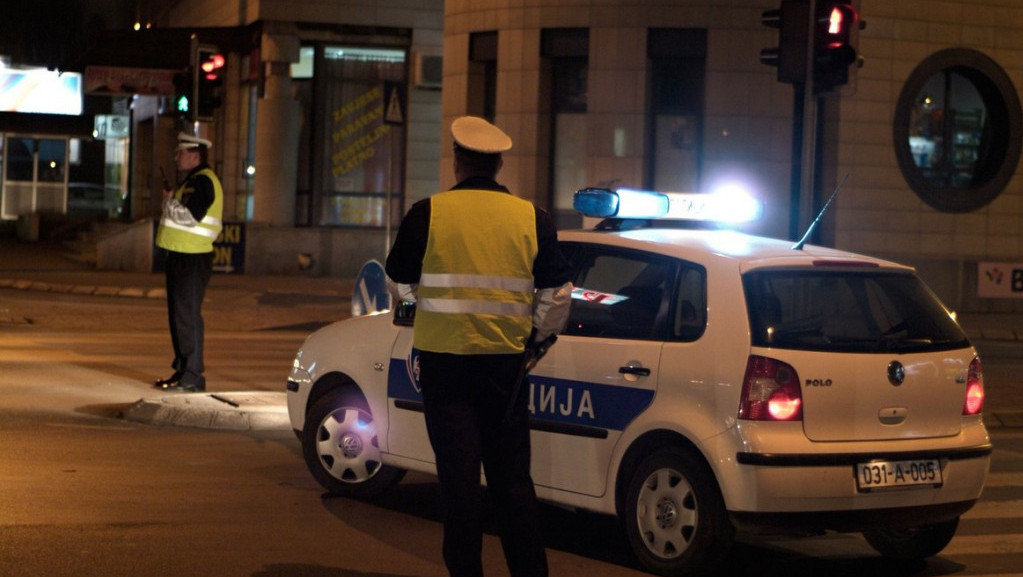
[(41, 91)]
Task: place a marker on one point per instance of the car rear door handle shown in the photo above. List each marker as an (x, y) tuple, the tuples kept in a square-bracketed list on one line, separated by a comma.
[(631, 370)]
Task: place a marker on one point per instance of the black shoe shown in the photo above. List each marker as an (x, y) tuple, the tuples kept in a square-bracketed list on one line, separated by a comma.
[(199, 387), (181, 386), (169, 381)]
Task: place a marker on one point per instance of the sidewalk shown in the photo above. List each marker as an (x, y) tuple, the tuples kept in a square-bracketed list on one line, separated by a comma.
[(43, 267), (236, 411)]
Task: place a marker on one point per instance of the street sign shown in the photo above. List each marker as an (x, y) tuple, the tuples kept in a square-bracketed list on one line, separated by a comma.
[(394, 104), (370, 295)]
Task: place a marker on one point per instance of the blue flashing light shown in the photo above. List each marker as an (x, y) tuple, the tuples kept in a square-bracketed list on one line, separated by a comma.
[(621, 203), (595, 202)]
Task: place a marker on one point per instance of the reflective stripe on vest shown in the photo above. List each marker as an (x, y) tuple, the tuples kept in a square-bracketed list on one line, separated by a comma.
[(194, 239), (208, 227), (476, 288), (471, 281)]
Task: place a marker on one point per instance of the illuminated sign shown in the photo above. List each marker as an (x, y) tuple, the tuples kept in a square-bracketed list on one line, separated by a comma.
[(41, 91), (111, 126)]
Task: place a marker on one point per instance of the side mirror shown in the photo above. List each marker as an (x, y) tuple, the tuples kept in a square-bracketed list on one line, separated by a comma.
[(405, 313)]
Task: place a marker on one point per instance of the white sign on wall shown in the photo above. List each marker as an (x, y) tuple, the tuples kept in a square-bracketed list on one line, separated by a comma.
[(1000, 280)]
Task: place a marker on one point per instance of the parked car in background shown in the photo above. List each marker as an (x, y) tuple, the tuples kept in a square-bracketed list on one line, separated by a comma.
[(89, 199)]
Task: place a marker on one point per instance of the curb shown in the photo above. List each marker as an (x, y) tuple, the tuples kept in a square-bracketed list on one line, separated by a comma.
[(84, 289), (235, 411)]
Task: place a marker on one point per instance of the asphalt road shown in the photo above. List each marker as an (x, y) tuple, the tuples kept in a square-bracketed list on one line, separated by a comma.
[(84, 492)]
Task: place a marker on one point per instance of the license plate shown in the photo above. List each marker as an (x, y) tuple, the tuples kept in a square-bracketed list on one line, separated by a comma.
[(874, 475)]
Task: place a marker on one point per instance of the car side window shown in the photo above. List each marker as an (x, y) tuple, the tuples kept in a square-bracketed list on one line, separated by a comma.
[(690, 311), (619, 294)]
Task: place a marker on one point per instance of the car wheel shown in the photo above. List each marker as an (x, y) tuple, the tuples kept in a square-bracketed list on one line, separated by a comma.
[(674, 515), (339, 444), (914, 543)]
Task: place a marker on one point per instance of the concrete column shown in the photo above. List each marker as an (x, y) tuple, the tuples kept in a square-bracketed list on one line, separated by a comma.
[(276, 134)]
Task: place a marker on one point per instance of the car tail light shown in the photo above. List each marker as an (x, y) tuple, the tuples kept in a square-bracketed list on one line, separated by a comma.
[(770, 391), (974, 389)]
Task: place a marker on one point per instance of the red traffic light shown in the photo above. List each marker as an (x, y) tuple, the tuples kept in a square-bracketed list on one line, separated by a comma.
[(839, 24), (834, 43), (838, 21), (211, 64)]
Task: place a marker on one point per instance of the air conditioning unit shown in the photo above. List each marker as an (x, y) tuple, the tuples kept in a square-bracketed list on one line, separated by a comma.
[(428, 70)]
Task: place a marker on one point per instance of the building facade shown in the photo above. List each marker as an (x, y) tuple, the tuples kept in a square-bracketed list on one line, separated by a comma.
[(334, 113), (328, 118), (673, 96)]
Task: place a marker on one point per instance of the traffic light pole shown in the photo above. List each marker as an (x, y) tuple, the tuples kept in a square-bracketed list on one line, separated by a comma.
[(815, 51), (804, 140)]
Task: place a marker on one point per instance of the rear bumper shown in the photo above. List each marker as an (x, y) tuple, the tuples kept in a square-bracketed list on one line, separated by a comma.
[(843, 459), (769, 470)]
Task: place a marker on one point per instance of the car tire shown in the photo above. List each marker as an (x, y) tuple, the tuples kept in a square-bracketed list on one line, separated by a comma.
[(674, 515), (339, 444), (914, 543)]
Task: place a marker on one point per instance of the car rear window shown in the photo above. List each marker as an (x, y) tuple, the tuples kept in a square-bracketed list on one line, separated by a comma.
[(847, 309)]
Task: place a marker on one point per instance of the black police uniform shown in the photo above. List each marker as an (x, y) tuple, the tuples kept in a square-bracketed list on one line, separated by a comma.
[(187, 275), (466, 398)]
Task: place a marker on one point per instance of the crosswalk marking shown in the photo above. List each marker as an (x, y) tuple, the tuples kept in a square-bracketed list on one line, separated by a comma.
[(1004, 480), (984, 544), (987, 530), (996, 510)]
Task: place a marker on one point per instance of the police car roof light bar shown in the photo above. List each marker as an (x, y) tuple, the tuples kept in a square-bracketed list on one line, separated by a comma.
[(625, 203)]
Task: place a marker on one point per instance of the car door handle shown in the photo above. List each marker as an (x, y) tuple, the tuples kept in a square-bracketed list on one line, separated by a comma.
[(631, 370)]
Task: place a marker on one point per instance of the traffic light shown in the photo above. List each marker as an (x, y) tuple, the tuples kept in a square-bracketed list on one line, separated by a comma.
[(835, 32), (183, 94), (791, 20), (209, 76)]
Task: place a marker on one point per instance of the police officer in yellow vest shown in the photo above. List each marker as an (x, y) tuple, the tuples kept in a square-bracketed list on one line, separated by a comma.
[(190, 222), (484, 269)]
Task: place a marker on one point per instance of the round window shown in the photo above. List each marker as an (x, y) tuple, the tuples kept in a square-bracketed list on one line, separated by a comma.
[(958, 130)]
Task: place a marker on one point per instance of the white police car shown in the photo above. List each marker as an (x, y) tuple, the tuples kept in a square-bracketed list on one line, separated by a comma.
[(707, 381)]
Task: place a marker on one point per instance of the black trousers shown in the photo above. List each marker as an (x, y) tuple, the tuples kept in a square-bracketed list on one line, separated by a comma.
[(187, 278), (466, 398)]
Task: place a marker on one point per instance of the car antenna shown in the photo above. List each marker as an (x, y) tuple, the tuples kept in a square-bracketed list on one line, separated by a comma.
[(813, 225), (163, 175)]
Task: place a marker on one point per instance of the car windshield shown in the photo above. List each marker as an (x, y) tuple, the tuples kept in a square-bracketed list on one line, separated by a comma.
[(847, 310)]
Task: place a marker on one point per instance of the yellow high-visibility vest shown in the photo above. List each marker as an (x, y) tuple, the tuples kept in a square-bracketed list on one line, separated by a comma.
[(476, 289), (194, 239)]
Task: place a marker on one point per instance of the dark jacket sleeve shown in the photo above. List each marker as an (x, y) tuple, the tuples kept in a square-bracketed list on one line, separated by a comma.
[(199, 199), (550, 268), (405, 261)]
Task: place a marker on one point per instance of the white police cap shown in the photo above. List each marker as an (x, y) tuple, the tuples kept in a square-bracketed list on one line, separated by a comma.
[(187, 141), (474, 133)]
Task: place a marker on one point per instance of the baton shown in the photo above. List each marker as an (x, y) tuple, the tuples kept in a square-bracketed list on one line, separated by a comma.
[(530, 358)]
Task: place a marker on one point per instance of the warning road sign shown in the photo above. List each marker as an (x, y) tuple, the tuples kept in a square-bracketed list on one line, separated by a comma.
[(394, 104)]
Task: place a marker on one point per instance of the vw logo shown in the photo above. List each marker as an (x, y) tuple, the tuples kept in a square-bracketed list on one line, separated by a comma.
[(896, 373)]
